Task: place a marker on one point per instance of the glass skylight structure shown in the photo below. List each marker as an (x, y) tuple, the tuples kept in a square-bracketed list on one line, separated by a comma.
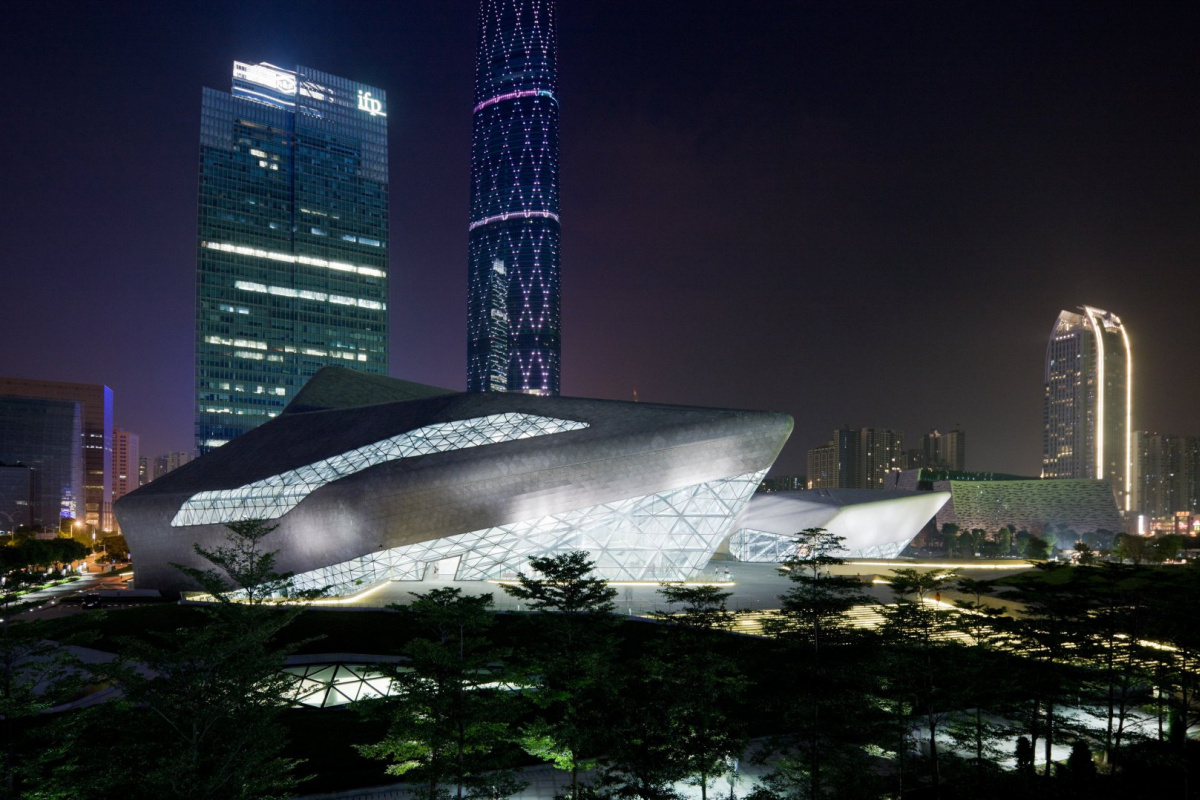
[(666, 536), (513, 336), (293, 241), (271, 498), (332, 685), (754, 546)]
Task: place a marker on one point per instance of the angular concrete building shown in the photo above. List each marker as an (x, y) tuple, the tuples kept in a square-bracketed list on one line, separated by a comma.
[(873, 524), (372, 479)]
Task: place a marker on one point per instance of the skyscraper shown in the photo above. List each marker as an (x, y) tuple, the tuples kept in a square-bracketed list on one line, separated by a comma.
[(513, 324), (125, 462), (944, 450), (96, 439), (857, 458), (293, 244), (1088, 402), (46, 435)]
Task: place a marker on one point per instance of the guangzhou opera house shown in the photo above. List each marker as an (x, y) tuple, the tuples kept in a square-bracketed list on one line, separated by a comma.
[(371, 479), (873, 524)]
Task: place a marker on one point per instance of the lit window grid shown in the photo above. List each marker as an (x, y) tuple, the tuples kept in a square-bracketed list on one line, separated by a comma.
[(666, 536), (273, 497), (252, 215)]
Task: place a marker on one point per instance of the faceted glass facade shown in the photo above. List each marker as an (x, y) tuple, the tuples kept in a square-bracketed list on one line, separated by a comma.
[(293, 241), (94, 505), (329, 685), (762, 546), (667, 536), (513, 340), (275, 496)]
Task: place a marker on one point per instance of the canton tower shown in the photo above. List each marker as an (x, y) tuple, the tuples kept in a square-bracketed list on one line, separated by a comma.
[(513, 315)]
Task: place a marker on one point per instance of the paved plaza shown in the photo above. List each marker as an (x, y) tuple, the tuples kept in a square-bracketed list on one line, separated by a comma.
[(755, 587)]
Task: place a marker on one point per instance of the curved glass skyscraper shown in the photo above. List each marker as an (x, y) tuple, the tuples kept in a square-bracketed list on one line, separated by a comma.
[(1087, 430), (513, 315)]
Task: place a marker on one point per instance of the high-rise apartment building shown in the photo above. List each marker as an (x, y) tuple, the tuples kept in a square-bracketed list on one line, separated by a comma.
[(126, 455), (823, 467), (941, 451), (144, 473), (513, 327), (1168, 474), (1087, 427), (47, 436), (293, 244), (881, 453), (167, 462), (95, 401), (857, 458)]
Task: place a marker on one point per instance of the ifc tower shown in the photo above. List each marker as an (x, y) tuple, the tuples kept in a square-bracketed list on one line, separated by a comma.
[(513, 340)]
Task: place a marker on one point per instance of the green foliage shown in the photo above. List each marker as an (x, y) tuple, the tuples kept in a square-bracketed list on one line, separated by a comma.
[(22, 553), (565, 586), (1037, 549), (245, 570), (703, 606), (571, 669), (116, 549), (447, 714), (813, 610)]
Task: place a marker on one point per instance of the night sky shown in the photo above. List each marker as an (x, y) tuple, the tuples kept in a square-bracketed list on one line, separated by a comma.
[(852, 212)]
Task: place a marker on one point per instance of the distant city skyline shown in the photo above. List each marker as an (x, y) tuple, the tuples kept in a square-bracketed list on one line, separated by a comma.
[(855, 212)]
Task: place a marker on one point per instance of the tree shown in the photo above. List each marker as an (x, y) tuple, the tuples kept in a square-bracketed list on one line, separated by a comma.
[(201, 705), (1168, 548), (703, 606), (446, 711), (697, 685), (115, 547), (34, 675), (812, 618), (1054, 607), (949, 538), (1037, 549), (572, 663), (247, 566), (914, 625), (1133, 548)]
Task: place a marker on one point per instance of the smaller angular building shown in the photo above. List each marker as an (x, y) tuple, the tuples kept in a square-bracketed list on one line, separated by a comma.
[(874, 524), (371, 479)]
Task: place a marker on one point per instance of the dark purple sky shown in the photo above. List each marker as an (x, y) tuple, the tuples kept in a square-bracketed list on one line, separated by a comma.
[(853, 212)]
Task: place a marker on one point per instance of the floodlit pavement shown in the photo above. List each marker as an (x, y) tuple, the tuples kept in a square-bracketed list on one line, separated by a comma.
[(755, 587)]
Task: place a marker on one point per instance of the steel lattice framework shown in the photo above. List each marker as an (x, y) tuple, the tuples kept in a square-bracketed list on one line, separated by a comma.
[(271, 498), (666, 536), (513, 337)]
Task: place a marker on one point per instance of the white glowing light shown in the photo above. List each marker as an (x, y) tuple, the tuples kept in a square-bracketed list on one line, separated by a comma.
[(514, 95), (268, 75), (369, 104), (288, 258), (512, 215), (273, 497), (305, 294), (1128, 421)]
